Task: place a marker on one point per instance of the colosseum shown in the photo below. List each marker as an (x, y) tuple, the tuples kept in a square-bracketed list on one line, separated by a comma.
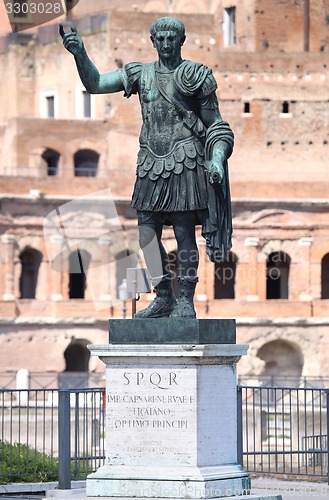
[(67, 171)]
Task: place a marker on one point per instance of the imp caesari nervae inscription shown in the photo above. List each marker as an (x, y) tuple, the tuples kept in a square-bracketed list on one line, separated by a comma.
[(135, 398), (145, 401)]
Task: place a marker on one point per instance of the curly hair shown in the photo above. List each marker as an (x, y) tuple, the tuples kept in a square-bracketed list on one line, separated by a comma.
[(168, 24)]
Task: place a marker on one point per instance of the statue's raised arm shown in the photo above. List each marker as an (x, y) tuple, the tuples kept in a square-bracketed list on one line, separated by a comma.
[(94, 82)]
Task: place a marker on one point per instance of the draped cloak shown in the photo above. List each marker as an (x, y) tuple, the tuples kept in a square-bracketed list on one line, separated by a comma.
[(175, 145)]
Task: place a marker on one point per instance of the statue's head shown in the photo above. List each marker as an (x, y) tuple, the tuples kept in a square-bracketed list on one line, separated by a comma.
[(168, 24)]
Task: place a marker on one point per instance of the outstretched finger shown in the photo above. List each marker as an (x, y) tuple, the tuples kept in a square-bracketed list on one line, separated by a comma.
[(73, 29), (61, 30)]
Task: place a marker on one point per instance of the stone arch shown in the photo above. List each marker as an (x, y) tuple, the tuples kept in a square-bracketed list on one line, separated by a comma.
[(287, 331), (37, 162), (77, 228), (30, 259), (272, 246), (130, 238), (325, 277), (277, 275), (318, 250), (35, 242), (76, 357), (51, 158), (86, 163), (225, 274), (283, 362)]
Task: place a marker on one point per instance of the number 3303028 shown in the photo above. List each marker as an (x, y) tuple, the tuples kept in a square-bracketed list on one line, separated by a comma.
[(24, 8)]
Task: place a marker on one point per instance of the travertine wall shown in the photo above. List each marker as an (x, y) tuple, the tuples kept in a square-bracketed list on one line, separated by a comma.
[(278, 171)]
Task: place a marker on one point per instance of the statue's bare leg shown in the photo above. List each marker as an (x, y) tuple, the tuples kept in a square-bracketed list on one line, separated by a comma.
[(157, 262), (187, 262)]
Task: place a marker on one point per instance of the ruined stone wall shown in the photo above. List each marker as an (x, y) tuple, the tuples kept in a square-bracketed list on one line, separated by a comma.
[(280, 25), (265, 82), (276, 100)]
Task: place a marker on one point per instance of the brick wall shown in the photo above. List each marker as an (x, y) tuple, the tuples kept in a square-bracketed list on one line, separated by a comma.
[(278, 170)]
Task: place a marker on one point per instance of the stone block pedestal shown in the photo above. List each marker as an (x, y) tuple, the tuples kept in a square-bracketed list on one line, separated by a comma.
[(171, 416)]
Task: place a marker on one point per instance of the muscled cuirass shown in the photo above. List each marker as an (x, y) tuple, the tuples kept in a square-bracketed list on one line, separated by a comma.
[(162, 127), (166, 144)]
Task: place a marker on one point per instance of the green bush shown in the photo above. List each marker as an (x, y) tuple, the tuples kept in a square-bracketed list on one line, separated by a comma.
[(21, 463)]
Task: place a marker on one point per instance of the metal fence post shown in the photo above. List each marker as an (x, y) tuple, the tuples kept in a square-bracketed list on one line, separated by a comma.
[(239, 427), (64, 440)]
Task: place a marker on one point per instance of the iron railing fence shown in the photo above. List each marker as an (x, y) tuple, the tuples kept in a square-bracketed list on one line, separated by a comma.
[(59, 435), (81, 434), (56, 380), (50, 380), (284, 430), (32, 424), (284, 381)]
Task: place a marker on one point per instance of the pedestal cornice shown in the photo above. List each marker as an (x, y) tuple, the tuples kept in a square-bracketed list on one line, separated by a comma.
[(210, 353)]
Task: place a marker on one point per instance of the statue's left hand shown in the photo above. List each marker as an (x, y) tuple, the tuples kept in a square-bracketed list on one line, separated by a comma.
[(215, 171)]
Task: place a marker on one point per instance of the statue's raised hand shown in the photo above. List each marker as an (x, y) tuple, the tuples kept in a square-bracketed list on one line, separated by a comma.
[(72, 41)]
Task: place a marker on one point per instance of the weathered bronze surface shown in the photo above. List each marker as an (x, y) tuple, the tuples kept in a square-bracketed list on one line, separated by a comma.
[(172, 331), (182, 175)]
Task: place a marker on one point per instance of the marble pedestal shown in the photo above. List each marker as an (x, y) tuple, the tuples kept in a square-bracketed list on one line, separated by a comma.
[(171, 413)]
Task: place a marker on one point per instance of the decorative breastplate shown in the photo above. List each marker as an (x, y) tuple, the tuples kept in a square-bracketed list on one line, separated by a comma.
[(162, 127)]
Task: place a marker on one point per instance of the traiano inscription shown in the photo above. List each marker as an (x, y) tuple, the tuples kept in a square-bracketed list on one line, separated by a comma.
[(154, 405)]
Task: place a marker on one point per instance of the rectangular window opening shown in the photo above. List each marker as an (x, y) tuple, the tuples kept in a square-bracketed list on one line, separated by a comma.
[(86, 104), (229, 27), (50, 99), (246, 107), (285, 107)]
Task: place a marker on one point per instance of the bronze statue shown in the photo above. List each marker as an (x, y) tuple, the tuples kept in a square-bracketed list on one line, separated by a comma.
[(182, 177)]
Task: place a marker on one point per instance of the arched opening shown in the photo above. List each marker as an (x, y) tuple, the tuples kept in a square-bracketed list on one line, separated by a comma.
[(78, 266), (325, 277), (277, 275), (86, 163), (225, 272), (51, 157), (283, 363), (124, 260), (76, 356), (30, 260)]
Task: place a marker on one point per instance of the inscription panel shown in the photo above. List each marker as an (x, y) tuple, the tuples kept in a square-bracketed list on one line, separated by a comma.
[(151, 415)]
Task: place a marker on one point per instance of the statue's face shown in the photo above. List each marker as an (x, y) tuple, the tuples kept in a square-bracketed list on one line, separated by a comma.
[(167, 43)]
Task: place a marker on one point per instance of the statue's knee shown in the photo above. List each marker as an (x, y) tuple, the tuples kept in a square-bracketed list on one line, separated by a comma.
[(180, 234), (146, 236)]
